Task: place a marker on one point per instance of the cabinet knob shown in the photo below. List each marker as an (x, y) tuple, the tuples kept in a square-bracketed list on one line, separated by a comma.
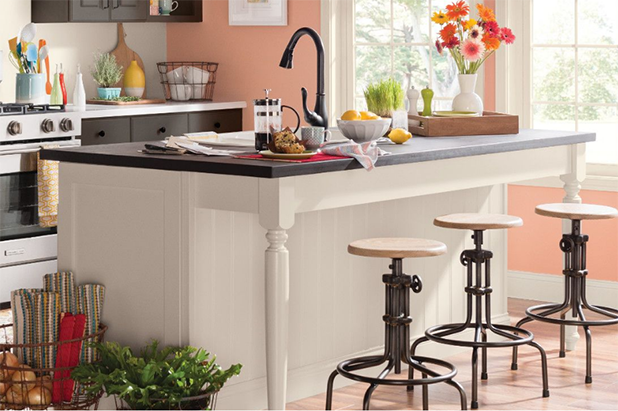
[(162, 130), (101, 133), (217, 125)]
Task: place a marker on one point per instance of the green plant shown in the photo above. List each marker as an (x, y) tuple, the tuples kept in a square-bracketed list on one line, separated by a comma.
[(157, 378), (106, 71), (384, 97)]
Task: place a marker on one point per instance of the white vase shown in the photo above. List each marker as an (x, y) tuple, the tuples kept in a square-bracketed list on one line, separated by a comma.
[(468, 100)]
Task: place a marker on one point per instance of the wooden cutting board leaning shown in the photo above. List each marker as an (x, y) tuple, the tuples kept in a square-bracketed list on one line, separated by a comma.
[(124, 56)]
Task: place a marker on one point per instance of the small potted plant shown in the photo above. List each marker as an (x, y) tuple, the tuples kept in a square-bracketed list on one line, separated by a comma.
[(107, 73), (386, 99), (170, 378)]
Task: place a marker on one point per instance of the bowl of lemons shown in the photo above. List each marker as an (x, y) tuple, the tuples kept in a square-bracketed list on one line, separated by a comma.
[(362, 126)]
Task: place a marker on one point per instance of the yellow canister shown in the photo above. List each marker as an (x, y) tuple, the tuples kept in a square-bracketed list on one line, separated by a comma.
[(134, 80)]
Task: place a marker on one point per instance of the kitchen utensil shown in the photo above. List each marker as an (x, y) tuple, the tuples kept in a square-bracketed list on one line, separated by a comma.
[(181, 92), (27, 33), (124, 55), (63, 86), (361, 131), (48, 85), (43, 52), (168, 6), (32, 55), (79, 93), (314, 137), (427, 95), (283, 156), (268, 119), (56, 94)]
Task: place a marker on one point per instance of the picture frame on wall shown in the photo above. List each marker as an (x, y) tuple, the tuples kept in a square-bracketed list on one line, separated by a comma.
[(258, 12)]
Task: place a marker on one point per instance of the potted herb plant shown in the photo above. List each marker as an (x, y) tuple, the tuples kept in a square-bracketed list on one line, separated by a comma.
[(386, 99), (106, 73), (170, 378)]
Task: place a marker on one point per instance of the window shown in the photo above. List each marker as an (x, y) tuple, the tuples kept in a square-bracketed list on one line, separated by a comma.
[(396, 38), (575, 71)]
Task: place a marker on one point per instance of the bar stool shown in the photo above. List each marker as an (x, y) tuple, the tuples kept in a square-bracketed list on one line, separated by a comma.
[(397, 323), (574, 248), (476, 290)]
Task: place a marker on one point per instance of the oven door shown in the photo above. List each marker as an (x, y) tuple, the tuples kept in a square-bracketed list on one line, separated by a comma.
[(26, 249)]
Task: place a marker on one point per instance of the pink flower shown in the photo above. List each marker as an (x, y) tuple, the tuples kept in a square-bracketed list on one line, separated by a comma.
[(492, 28), (472, 50), (507, 35), (439, 47), (451, 44)]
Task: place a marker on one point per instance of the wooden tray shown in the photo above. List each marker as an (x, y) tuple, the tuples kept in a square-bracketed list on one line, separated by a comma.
[(127, 103), (487, 124)]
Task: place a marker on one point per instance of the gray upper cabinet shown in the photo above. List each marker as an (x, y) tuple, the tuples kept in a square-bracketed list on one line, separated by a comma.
[(128, 10), (89, 10)]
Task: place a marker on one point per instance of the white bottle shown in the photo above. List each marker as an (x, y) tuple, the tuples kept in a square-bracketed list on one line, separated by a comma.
[(79, 94), (413, 96)]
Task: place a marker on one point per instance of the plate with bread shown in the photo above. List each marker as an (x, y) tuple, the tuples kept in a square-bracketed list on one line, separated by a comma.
[(286, 146)]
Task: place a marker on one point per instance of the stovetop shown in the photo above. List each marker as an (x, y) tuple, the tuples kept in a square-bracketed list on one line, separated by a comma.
[(15, 109)]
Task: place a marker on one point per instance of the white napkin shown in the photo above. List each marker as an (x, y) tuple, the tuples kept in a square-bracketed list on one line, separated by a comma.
[(365, 153)]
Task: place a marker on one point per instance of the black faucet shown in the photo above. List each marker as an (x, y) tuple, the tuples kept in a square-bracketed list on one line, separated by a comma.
[(319, 117)]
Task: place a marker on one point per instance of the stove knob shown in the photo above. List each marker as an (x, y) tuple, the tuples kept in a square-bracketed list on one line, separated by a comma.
[(66, 125), (48, 126), (14, 128)]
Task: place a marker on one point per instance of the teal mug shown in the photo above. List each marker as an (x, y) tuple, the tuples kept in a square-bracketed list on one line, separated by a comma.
[(168, 6), (30, 89)]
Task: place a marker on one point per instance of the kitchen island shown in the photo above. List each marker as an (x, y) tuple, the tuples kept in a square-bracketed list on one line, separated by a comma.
[(179, 244)]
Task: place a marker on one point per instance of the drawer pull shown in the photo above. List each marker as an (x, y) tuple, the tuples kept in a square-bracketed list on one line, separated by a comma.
[(217, 125), (101, 133), (162, 130)]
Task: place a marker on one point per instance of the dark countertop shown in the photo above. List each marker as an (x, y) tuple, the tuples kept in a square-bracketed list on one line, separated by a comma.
[(418, 149)]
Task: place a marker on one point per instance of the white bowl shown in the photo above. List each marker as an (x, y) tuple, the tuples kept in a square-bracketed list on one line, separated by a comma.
[(195, 75), (181, 92), (364, 130)]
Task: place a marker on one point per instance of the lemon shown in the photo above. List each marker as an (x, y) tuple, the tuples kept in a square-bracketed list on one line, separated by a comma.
[(399, 135), (351, 115), (368, 115)]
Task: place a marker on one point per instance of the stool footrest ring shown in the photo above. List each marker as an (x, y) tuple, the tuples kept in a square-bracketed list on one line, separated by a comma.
[(433, 334), (347, 368), (530, 312)]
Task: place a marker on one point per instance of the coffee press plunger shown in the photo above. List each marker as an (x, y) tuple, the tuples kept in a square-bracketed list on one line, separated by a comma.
[(268, 119)]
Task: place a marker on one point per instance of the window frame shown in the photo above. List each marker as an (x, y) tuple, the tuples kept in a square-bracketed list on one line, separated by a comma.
[(515, 67)]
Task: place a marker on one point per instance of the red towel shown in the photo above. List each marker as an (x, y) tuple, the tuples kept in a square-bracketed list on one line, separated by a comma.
[(76, 349), (67, 325)]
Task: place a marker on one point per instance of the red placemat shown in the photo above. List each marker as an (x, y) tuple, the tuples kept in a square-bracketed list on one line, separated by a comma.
[(317, 157)]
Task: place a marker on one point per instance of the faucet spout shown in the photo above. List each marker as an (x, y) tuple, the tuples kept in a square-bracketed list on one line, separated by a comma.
[(319, 116)]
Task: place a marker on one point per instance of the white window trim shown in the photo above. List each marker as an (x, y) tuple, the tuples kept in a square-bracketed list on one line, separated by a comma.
[(515, 66), (337, 32)]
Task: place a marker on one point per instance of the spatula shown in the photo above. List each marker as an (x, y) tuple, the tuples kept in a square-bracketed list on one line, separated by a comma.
[(48, 85)]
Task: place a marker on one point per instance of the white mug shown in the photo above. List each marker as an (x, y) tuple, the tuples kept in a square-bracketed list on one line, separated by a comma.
[(168, 6)]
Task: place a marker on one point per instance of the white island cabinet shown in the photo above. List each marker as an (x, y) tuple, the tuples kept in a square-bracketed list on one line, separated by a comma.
[(248, 258)]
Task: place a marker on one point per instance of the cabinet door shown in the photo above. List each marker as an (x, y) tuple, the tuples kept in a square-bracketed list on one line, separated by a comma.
[(129, 10), (152, 128), (221, 121), (90, 10), (106, 131)]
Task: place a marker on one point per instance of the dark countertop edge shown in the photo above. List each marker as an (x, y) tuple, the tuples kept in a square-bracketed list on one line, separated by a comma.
[(247, 168)]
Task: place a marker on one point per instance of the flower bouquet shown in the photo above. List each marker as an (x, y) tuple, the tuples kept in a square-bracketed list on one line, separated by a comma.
[(470, 42)]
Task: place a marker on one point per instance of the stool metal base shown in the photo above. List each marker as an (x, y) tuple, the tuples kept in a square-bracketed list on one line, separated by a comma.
[(396, 347), (515, 336), (574, 248)]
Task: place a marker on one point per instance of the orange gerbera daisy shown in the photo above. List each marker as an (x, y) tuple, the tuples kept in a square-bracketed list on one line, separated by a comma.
[(485, 13), (448, 32), (491, 42), (457, 10)]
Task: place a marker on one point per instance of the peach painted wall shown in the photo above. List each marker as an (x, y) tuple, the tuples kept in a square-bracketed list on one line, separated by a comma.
[(249, 57), (534, 247)]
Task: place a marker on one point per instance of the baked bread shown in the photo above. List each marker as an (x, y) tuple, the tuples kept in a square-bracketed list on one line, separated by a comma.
[(286, 142)]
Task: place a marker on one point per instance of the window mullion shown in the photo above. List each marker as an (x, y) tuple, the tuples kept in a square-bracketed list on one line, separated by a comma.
[(577, 99)]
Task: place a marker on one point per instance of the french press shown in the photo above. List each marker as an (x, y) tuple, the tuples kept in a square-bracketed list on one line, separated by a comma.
[(268, 119)]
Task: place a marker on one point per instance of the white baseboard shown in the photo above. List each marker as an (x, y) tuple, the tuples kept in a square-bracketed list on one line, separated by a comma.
[(311, 380), (550, 288)]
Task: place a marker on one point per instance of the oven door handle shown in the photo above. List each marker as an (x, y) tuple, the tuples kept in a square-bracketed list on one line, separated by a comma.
[(35, 148)]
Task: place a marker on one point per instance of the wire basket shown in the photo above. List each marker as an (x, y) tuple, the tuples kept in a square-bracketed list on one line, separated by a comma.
[(200, 402), (186, 80), (16, 391)]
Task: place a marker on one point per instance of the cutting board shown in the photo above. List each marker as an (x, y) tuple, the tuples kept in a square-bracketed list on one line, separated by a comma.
[(127, 103), (124, 56)]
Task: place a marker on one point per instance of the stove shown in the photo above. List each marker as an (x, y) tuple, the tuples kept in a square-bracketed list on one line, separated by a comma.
[(27, 250)]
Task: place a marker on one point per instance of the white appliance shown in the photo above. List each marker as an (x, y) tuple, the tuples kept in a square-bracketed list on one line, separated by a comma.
[(27, 251)]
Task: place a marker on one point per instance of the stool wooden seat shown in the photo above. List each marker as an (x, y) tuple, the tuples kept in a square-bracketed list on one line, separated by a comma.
[(396, 248), (577, 211), (476, 221)]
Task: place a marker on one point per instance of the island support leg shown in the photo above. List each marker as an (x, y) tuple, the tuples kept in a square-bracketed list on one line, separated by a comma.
[(572, 186), (276, 210), (277, 308)]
